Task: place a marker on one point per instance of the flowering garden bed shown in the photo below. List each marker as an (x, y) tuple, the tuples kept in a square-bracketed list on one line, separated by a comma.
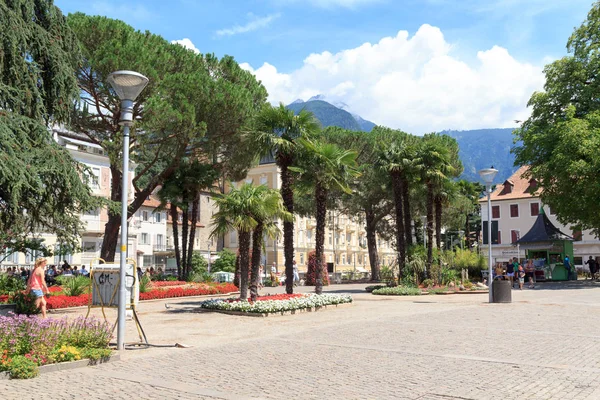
[(267, 305), (26, 343)]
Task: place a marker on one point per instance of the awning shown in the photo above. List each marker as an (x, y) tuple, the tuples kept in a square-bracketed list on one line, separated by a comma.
[(81, 142)]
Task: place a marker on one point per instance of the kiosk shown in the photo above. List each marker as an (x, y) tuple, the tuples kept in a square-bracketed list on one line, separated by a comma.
[(548, 246)]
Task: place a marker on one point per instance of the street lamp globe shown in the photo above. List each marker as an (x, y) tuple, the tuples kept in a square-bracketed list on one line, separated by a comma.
[(488, 174), (127, 85)]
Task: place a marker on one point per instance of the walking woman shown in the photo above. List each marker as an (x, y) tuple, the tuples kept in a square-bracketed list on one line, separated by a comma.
[(37, 285)]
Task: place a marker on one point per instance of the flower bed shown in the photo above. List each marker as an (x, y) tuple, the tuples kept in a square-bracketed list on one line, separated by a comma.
[(300, 302), (398, 291), (157, 284), (29, 342), (200, 290)]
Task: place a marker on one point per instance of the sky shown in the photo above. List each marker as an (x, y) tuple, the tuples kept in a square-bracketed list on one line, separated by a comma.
[(416, 65)]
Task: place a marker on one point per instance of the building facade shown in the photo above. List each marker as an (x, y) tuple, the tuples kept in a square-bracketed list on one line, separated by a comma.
[(515, 207)]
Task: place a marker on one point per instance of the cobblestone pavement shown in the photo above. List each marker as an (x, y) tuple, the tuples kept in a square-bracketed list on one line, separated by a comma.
[(544, 345)]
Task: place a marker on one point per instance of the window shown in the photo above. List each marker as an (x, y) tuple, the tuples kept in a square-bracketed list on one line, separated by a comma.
[(263, 180), (577, 234), (148, 261), (578, 261), (349, 238), (159, 240), (550, 211), (330, 238), (89, 247), (158, 217), (496, 212), (535, 209), (233, 237), (301, 258), (92, 213), (94, 178), (249, 180), (145, 216), (343, 259), (144, 239), (309, 235), (514, 236), (514, 210)]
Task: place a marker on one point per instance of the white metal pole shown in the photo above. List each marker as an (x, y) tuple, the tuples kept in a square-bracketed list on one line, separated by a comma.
[(490, 272), (124, 196)]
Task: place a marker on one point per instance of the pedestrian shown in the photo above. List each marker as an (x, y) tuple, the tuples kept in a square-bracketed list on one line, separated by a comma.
[(273, 271), (65, 265), (261, 269), (510, 272), (530, 273), (593, 267), (296, 275), (567, 264), (37, 286), (521, 276)]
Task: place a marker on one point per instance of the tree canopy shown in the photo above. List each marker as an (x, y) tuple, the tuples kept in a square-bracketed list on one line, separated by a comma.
[(561, 138), (40, 186)]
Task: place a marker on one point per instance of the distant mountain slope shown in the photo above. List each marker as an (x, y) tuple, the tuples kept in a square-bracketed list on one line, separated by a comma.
[(482, 148), (327, 114)]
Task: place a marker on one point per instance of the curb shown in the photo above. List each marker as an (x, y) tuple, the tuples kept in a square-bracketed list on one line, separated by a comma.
[(44, 369), (278, 313)]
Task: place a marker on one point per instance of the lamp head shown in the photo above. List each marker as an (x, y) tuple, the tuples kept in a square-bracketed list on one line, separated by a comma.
[(488, 174), (127, 84)]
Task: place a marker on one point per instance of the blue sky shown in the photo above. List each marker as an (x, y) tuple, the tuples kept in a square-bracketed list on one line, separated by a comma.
[(285, 33)]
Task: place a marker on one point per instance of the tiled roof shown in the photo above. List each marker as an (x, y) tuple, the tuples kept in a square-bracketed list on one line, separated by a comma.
[(520, 187)]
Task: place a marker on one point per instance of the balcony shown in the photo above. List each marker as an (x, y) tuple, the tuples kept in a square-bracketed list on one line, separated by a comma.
[(160, 248)]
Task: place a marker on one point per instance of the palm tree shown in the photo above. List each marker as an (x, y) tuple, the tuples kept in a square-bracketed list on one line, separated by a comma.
[(321, 168), (433, 161), (268, 207), (237, 211), (397, 160), (279, 130)]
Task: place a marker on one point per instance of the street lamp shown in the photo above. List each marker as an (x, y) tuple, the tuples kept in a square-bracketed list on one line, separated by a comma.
[(487, 176), (127, 85)]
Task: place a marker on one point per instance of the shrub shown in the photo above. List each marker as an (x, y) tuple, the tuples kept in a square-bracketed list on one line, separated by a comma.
[(201, 277), (449, 275), (11, 284), (76, 286), (66, 353), (225, 262), (386, 273), (95, 354), (312, 269), (145, 283), (21, 367), (428, 283), (398, 291), (199, 263), (370, 289), (25, 303)]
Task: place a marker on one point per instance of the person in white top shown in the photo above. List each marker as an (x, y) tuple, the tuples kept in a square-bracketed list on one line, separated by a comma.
[(296, 275)]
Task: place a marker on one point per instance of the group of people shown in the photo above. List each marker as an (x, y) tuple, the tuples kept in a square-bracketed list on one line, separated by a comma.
[(50, 273), (517, 270)]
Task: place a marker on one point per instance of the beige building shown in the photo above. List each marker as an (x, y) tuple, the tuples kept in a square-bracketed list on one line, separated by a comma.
[(345, 237), (514, 210)]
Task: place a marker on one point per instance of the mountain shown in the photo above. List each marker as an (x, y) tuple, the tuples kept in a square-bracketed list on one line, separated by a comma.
[(483, 148), (332, 114), (479, 148)]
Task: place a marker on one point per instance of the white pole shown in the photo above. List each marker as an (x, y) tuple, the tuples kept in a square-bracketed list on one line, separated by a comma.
[(490, 272), (124, 196)]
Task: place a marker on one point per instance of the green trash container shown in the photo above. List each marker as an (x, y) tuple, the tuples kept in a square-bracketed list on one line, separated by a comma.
[(501, 291)]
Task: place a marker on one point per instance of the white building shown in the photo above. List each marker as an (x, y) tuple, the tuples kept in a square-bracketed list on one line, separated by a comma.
[(514, 210)]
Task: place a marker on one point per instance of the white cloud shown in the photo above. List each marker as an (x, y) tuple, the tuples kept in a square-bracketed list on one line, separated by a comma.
[(252, 25), (187, 43), (413, 83)]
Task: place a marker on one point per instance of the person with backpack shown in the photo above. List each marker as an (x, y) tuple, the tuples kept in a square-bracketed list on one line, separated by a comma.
[(567, 264)]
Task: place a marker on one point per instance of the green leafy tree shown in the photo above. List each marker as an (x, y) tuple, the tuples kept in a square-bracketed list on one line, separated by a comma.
[(195, 106), (225, 261), (40, 185), (280, 128), (321, 168), (561, 137)]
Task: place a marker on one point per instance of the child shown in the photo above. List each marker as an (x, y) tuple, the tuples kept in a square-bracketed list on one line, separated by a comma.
[(521, 276)]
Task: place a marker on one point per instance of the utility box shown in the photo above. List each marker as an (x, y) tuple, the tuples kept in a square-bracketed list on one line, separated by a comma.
[(105, 285)]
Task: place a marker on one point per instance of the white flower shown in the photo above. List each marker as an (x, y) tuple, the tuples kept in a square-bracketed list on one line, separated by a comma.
[(271, 306)]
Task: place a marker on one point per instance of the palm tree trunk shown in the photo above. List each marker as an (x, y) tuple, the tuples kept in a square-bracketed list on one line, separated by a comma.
[(372, 243), (407, 216), (244, 241), (175, 222), (429, 226), (236, 270), (184, 239), (400, 239), (438, 221), (287, 194), (192, 236), (257, 237), (321, 205)]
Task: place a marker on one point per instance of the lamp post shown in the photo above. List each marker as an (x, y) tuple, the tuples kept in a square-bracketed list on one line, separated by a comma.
[(488, 175), (127, 85), (209, 245)]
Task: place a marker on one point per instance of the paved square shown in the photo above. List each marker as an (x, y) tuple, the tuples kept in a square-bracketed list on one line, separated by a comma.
[(545, 345)]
